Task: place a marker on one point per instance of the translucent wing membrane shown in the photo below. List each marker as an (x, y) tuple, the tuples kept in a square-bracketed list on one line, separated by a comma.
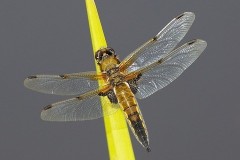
[(161, 73), (164, 42), (84, 107), (67, 84), (149, 68)]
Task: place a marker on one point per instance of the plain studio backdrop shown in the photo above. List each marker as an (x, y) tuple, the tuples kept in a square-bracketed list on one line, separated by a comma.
[(194, 118)]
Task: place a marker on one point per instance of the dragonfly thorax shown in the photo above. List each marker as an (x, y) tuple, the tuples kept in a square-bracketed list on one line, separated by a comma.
[(116, 79), (113, 70)]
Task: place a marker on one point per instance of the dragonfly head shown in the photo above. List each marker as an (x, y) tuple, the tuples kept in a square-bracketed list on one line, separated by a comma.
[(103, 54)]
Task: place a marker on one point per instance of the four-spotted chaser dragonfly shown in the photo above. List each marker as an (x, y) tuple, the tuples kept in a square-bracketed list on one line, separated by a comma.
[(146, 70)]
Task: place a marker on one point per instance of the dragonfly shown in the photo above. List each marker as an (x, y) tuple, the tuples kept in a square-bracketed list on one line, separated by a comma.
[(149, 68)]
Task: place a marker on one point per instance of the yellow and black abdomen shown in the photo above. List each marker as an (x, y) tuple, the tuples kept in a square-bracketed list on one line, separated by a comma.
[(129, 105)]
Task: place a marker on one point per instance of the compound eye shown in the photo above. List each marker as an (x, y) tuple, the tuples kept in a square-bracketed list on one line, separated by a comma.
[(110, 51), (98, 55)]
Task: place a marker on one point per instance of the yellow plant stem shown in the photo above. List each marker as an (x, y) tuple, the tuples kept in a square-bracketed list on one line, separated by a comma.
[(118, 139)]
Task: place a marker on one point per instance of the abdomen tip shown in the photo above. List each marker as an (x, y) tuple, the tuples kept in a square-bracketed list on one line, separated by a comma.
[(148, 149)]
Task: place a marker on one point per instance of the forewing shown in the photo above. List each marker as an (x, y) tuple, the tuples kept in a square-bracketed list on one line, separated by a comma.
[(160, 74), (66, 84), (164, 42), (84, 107)]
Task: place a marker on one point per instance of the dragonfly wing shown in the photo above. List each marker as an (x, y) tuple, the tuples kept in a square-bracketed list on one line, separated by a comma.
[(66, 84), (160, 74), (85, 107), (164, 42)]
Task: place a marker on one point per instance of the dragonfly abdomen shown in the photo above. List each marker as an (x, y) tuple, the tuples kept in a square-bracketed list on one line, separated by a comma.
[(129, 105)]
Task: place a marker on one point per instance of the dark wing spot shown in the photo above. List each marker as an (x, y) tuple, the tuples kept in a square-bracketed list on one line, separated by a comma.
[(47, 107), (139, 76), (112, 97), (191, 42), (32, 77), (160, 60), (62, 76), (179, 16), (133, 86), (155, 38)]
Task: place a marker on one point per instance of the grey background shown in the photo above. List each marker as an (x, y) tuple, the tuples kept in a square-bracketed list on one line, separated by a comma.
[(194, 118)]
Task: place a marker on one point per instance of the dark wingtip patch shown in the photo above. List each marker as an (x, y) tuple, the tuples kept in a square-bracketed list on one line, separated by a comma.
[(191, 42), (47, 107), (148, 149), (180, 16), (32, 77)]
